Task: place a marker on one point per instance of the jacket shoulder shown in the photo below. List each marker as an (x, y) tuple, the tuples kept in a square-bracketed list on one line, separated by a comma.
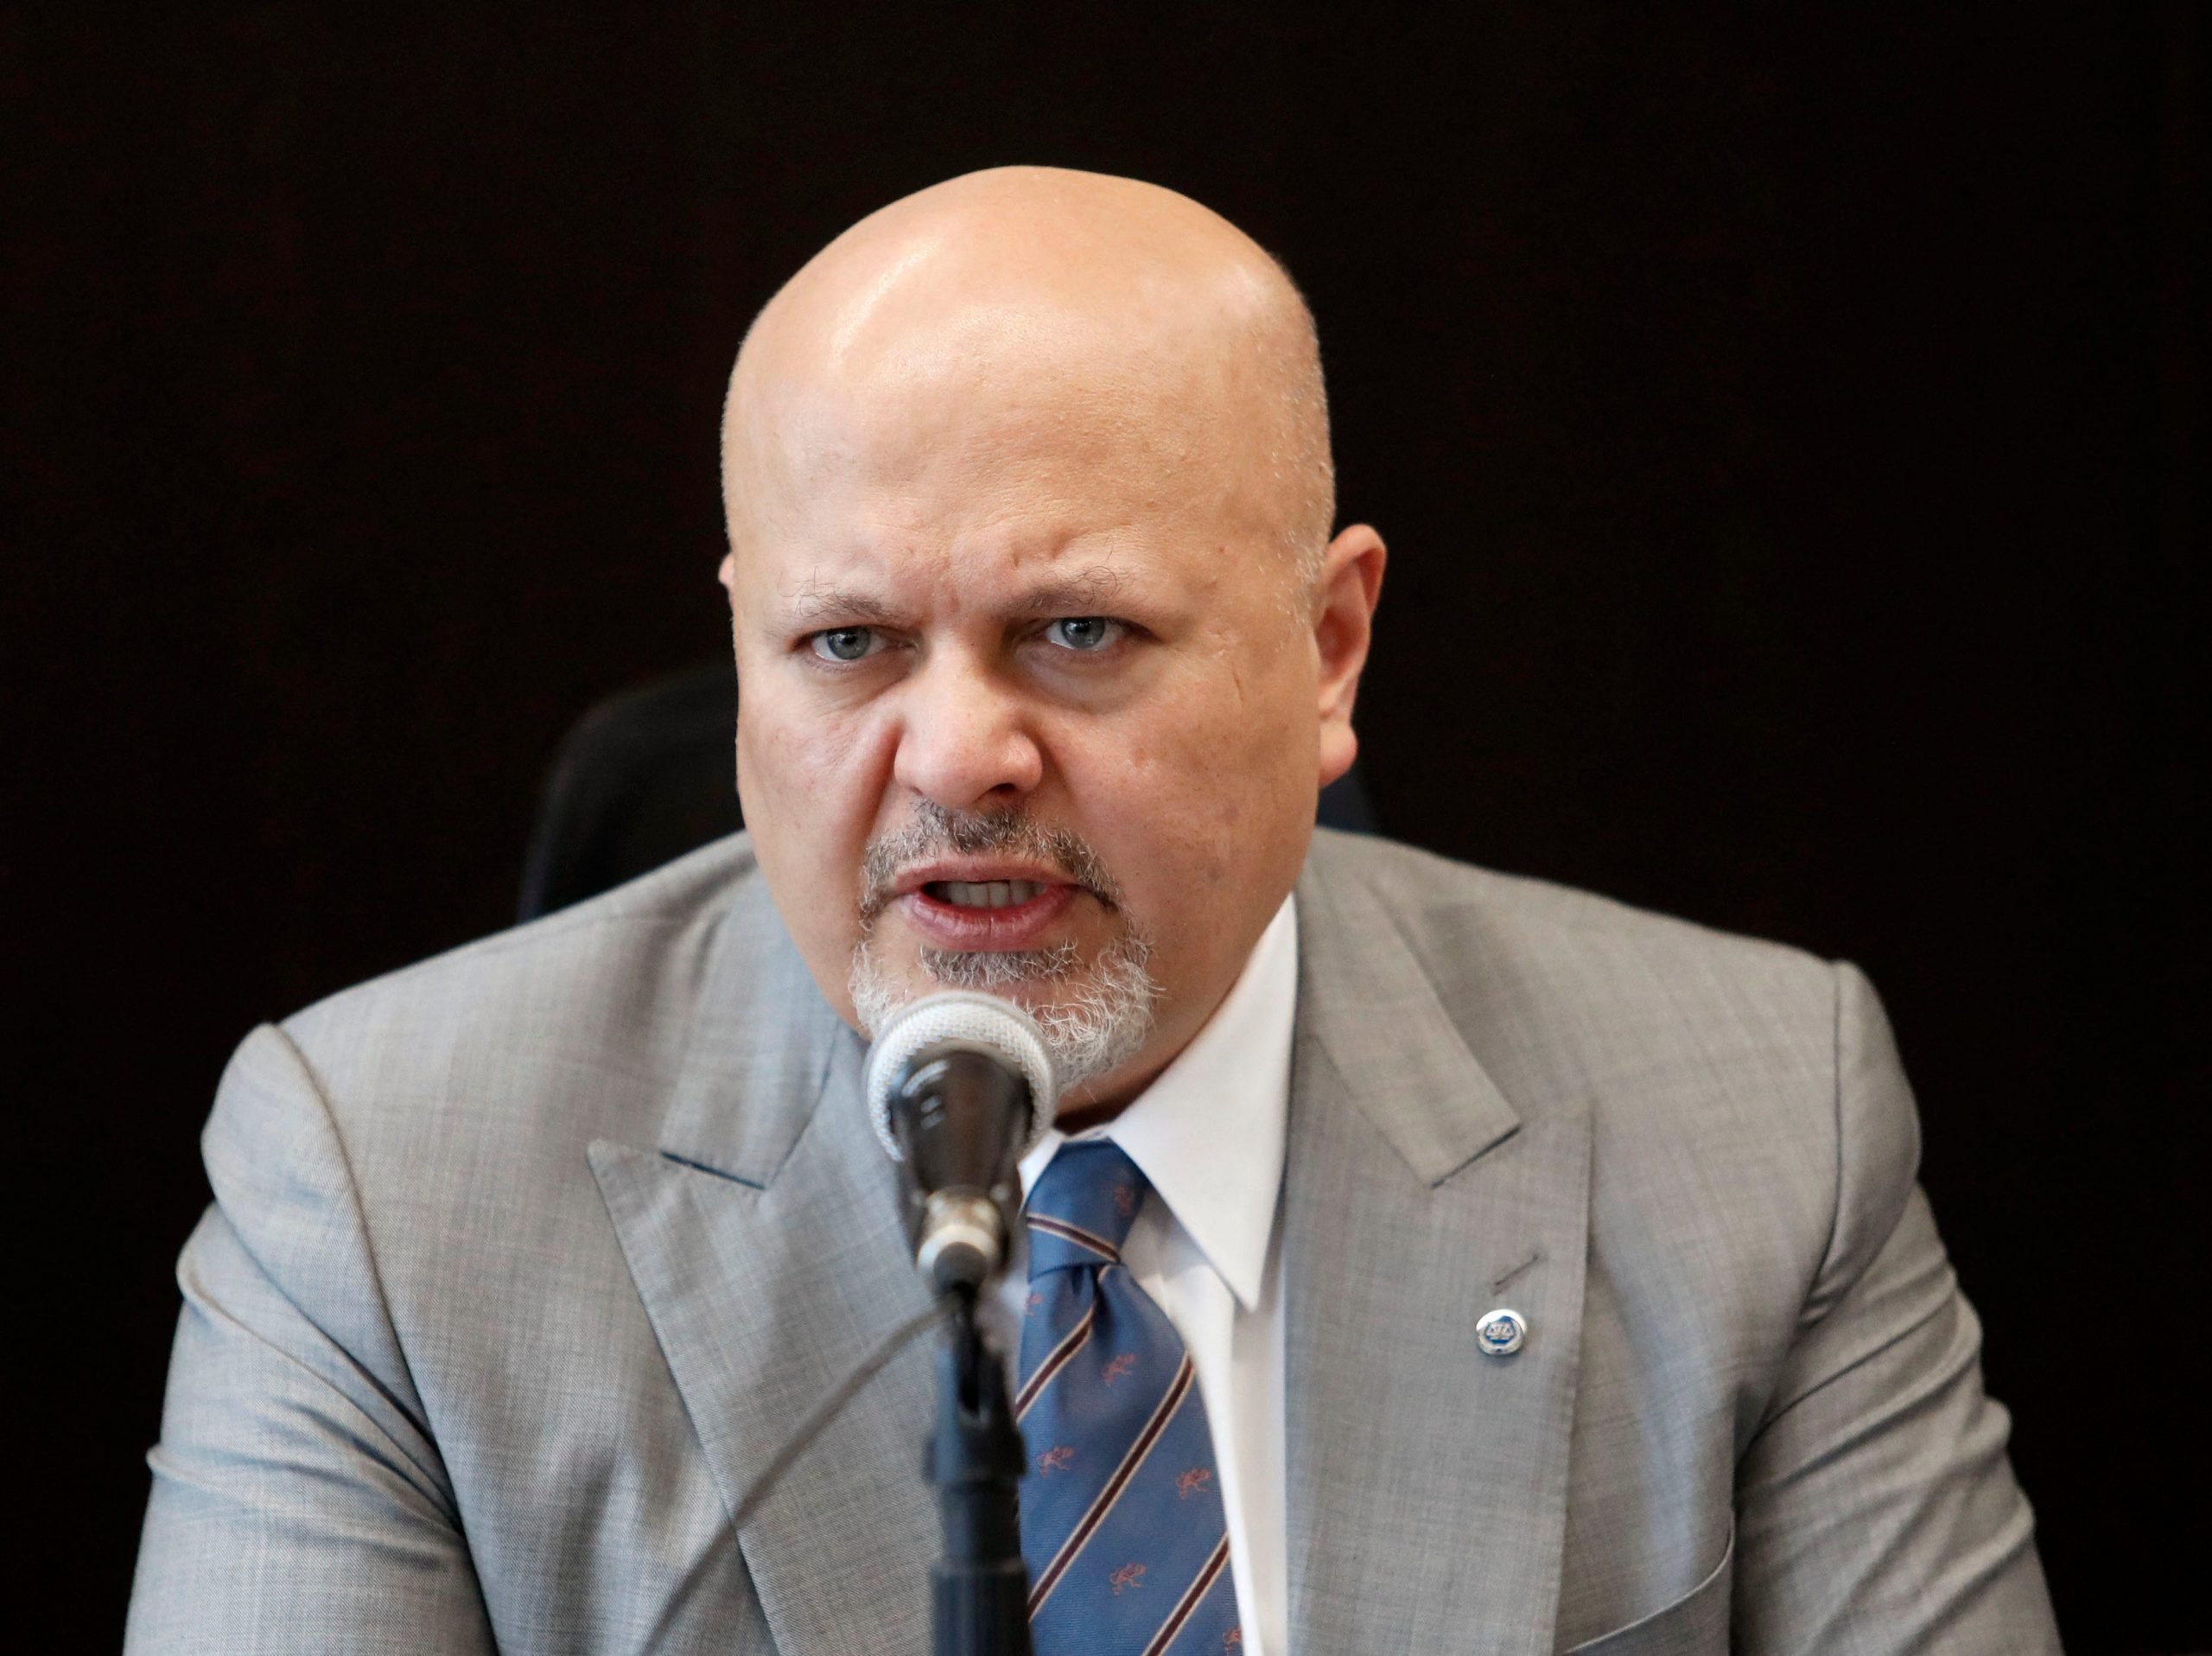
[(1702, 1057), (576, 942), (599, 993), (1605, 952)]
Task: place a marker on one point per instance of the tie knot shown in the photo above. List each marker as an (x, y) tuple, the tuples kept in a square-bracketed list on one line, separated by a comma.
[(1080, 1209)]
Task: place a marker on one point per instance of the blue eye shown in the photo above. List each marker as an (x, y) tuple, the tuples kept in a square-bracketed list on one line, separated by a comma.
[(1081, 632), (844, 643)]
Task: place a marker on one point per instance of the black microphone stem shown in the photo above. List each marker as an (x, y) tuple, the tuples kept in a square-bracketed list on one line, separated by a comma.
[(981, 1590)]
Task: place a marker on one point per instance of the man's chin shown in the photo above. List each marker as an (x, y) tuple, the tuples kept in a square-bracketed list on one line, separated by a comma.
[(1095, 1014), (1033, 979)]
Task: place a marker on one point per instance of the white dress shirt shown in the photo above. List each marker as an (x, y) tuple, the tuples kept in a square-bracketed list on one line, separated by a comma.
[(1209, 1135)]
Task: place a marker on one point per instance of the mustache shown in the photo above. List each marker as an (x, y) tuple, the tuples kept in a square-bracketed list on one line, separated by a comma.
[(936, 831)]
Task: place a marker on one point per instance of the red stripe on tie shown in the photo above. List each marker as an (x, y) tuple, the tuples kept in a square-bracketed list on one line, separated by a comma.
[(1056, 1360), (1077, 1234), (1186, 1605), (1049, 1577)]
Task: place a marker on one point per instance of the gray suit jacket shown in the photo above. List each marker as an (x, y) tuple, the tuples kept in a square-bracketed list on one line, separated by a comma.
[(523, 1262)]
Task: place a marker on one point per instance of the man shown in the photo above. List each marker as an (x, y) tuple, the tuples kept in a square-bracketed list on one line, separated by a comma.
[(1424, 1260)]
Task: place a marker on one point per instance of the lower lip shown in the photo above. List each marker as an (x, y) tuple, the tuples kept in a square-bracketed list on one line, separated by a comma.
[(1018, 926)]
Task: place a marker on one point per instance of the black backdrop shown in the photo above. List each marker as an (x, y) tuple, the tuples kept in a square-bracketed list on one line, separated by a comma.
[(1784, 428)]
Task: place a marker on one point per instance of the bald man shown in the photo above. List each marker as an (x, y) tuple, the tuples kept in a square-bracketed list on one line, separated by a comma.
[(1421, 1259)]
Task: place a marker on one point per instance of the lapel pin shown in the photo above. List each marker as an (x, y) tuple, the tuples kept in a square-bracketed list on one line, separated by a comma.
[(1501, 1332)]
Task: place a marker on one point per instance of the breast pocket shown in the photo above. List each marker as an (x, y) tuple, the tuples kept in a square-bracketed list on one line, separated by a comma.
[(1695, 1624)]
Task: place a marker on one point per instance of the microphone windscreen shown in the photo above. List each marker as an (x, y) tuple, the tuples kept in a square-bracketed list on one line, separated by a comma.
[(959, 1020)]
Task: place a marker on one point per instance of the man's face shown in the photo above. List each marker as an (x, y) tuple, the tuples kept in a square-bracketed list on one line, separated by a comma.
[(1027, 699)]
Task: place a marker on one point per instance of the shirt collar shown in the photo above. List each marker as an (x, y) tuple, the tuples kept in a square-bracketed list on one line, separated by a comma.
[(1209, 1132)]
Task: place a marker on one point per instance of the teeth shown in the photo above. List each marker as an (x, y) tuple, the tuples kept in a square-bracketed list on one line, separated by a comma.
[(988, 893)]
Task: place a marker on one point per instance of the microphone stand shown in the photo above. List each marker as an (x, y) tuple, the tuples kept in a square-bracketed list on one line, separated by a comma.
[(980, 1591)]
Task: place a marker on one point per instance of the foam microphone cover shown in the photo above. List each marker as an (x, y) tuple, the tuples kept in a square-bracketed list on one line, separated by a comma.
[(959, 1022)]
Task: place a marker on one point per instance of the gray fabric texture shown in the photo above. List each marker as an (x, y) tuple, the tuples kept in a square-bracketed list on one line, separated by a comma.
[(523, 1262)]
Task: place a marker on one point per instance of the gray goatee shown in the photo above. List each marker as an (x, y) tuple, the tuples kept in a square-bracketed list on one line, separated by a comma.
[(1094, 1015)]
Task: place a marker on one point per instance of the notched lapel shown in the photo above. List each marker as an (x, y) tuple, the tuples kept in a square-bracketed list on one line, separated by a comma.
[(764, 1237), (1427, 1481)]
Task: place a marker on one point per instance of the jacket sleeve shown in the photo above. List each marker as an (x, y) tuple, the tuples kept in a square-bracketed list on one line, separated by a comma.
[(299, 1500), (1876, 1508)]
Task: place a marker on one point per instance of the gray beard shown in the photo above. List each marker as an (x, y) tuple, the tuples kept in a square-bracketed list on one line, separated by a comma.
[(1097, 1018)]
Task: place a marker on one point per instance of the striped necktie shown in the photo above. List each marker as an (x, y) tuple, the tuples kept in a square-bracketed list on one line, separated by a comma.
[(1122, 1521)]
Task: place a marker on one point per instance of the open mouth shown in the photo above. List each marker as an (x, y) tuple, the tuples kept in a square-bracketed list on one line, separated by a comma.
[(983, 894), (987, 913)]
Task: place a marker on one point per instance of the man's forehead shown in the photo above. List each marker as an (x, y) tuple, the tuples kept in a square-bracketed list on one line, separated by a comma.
[(976, 382), (1015, 457)]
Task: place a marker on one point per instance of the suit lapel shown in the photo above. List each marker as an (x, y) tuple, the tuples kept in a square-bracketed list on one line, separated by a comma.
[(764, 1238), (1427, 1481)]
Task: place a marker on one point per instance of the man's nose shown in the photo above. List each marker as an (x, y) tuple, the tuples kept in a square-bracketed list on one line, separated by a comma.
[(966, 741)]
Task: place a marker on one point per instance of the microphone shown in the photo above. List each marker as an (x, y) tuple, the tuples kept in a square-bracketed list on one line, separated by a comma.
[(959, 1085)]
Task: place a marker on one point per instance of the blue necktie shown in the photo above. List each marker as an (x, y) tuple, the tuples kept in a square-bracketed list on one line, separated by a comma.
[(1122, 1521)]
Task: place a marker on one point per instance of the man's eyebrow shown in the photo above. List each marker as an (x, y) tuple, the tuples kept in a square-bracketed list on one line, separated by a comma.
[(813, 607), (1085, 594)]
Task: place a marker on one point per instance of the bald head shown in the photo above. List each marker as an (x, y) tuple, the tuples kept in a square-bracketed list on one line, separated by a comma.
[(1142, 334)]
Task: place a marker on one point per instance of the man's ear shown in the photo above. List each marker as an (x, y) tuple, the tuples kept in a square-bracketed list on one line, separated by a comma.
[(1344, 617), (727, 574)]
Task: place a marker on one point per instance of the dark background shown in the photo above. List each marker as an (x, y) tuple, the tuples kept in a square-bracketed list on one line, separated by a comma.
[(1785, 426)]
